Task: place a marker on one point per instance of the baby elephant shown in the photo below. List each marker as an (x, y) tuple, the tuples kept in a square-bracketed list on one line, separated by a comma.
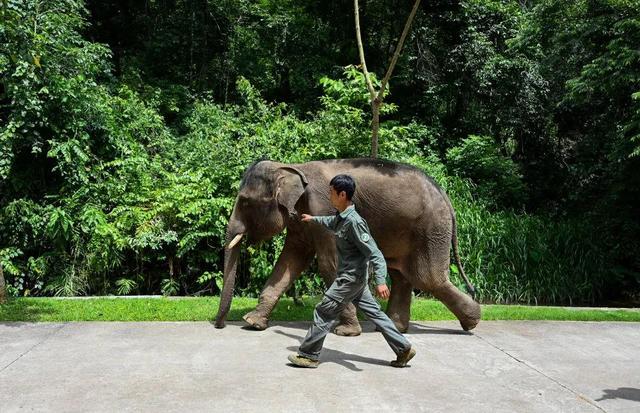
[(409, 216)]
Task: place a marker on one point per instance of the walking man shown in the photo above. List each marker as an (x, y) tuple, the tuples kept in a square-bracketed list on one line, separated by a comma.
[(356, 249)]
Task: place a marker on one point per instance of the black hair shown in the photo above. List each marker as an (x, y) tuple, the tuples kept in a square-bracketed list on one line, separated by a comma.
[(344, 183)]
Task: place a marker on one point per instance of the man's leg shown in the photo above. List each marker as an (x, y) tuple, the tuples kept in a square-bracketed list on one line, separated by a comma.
[(370, 307), (325, 317)]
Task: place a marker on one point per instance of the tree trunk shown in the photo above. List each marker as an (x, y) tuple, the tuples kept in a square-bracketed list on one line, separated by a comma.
[(378, 96), (375, 126), (3, 290)]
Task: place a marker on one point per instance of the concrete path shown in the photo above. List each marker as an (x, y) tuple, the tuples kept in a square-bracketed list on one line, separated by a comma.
[(501, 367)]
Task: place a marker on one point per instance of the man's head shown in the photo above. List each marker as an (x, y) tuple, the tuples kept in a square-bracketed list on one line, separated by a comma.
[(342, 189)]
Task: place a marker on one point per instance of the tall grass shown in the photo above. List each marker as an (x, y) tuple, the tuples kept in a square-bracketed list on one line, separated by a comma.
[(522, 258), (516, 257)]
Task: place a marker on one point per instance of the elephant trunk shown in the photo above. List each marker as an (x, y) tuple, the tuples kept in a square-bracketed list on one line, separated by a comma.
[(231, 254)]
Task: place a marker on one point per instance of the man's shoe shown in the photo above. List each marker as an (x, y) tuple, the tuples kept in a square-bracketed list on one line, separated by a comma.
[(301, 361), (403, 358)]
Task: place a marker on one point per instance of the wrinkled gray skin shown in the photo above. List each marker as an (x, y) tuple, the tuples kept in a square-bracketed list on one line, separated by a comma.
[(410, 218)]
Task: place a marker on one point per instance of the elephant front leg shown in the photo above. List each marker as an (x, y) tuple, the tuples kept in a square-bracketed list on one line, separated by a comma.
[(287, 269), (399, 307)]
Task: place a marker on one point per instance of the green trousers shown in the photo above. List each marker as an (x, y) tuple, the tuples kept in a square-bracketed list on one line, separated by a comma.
[(327, 312)]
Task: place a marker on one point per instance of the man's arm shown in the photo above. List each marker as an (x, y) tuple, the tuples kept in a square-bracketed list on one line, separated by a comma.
[(360, 236), (326, 221)]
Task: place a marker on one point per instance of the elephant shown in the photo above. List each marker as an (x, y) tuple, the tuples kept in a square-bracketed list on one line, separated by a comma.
[(409, 215)]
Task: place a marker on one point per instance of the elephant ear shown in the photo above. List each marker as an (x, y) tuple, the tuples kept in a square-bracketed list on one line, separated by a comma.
[(290, 186)]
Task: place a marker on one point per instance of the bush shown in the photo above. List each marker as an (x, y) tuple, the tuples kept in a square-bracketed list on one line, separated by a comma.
[(497, 178)]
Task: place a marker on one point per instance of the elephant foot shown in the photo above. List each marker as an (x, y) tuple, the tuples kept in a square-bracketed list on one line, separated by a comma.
[(469, 324), (401, 327), (256, 321), (348, 330), (401, 323), (465, 309), (470, 316)]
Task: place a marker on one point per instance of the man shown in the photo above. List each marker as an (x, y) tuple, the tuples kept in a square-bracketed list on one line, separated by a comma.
[(356, 249)]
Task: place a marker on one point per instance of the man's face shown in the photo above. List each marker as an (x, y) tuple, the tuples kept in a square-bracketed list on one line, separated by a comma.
[(337, 199)]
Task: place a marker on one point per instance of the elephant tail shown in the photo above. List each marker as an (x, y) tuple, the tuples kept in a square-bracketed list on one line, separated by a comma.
[(454, 242)]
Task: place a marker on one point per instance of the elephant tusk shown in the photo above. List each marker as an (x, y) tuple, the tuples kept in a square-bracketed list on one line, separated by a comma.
[(234, 241)]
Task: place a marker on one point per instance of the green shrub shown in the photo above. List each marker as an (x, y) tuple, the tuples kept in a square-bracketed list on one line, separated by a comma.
[(496, 177)]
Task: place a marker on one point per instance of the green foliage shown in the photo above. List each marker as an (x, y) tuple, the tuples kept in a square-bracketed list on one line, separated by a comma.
[(351, 92), (496, 177), (588, 52), (169, 286), (515, 258), (49, 74), (120, 160), (125, 286)]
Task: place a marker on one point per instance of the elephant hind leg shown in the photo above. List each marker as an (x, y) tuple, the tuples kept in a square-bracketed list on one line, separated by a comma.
[(431, 273), (399, 306), (460, 304), (348, 324)]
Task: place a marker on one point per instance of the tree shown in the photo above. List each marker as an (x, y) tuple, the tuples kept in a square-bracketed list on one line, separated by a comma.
[(3, 291), (378, 96)]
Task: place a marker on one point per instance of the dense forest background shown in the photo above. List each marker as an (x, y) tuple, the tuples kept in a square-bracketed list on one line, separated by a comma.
[(125, 127)]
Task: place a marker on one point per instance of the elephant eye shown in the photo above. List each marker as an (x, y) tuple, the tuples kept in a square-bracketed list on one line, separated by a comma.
[(254, 202)]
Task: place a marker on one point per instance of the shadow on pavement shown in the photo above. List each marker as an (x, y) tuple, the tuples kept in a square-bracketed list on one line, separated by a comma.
[(334, 356), (367, 327), (628, 393), (425, 329)]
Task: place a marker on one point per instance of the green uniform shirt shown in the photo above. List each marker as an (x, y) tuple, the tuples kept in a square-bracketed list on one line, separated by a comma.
[(356, 247)]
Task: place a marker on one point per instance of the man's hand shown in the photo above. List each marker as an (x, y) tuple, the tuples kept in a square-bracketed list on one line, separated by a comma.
[(382, 291), (306, 218)]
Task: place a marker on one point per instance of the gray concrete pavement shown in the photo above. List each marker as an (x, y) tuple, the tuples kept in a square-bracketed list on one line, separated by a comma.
[(501, 367)]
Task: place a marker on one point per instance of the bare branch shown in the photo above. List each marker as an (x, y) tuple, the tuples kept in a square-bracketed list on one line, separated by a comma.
[(376, 98), (367, 78), (392, 65)]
